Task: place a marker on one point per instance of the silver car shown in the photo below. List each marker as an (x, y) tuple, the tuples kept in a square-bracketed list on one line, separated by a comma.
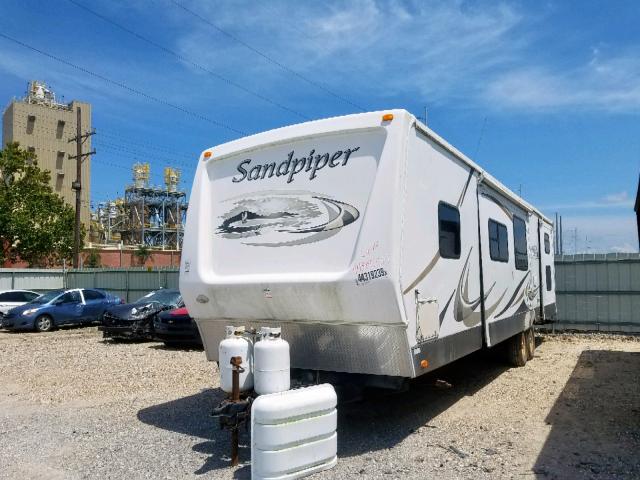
[(14, 298)]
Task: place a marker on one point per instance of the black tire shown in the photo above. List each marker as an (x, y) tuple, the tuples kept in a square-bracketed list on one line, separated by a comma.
[(531, 343), (517, 350), (44, 323)]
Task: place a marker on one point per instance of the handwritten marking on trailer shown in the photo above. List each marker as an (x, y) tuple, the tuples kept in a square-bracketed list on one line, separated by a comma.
[(291, 167)]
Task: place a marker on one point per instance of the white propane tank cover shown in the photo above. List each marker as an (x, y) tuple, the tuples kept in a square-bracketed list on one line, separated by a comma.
[(294, 433), (235, 345), (272, 363)]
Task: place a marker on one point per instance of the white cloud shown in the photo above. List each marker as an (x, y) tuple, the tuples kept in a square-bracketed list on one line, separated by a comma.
[(438, 50), (617, 198), (611, 201), (607, 84), (600, 233)]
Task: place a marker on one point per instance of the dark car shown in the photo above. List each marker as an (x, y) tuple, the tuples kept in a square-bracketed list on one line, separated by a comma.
[(135, 320), (76, 306), (176, 327)]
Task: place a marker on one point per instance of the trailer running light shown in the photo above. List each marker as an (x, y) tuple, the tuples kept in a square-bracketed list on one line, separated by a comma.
[(207, 154), (424, 363), (387, 117)]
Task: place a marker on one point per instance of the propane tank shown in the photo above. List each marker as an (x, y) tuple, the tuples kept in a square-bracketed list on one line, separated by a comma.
[(271, 362), (236, 344)]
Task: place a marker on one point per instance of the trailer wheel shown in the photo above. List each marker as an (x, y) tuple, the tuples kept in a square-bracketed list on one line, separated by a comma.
[(517, 350), (531, 343)]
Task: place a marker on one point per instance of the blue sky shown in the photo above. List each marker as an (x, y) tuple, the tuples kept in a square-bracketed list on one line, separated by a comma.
[(544, 95)]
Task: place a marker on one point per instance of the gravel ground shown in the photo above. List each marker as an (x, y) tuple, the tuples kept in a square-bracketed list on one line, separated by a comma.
[(74, 406)]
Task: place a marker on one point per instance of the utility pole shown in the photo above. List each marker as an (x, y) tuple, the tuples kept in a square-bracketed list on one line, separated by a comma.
[(77, 185)]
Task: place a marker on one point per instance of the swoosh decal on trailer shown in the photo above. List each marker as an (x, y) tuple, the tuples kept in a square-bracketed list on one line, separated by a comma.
[(492, 308), (285, 218), (464, 190), (513, 297), (500, 204), (345, 215), (424, 272), (464, 309), (446, 306)]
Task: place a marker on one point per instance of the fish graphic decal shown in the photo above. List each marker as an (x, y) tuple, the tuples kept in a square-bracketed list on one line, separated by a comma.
[(284, 218)]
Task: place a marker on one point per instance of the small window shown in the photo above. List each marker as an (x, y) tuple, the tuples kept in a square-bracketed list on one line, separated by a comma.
[(60, 129), (547, 244), (31, 121), (449, 230), (59, 160), (547, 271), (92, 295), (520, 244), (498, 242)]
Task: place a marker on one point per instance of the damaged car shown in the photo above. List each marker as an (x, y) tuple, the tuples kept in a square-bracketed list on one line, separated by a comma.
[(135, 320), (177, 328)]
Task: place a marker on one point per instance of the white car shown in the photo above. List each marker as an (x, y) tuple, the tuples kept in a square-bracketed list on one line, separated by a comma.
[(14, 298)]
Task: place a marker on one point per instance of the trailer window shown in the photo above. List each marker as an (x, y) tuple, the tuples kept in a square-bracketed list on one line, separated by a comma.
[(449, 230), (547, 271), (547, 244), (498, 242), (520, 244)]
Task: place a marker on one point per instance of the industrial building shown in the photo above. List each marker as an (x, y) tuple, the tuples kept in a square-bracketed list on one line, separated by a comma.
[(146, 215), (44, 125)]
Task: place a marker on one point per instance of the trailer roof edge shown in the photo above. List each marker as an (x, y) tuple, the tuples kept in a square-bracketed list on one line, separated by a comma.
[(487, 177)]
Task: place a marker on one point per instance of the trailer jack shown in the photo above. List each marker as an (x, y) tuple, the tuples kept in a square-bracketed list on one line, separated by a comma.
[(234, 412)]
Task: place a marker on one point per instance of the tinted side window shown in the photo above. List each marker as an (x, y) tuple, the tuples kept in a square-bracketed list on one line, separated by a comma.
[(92, 295), (71, 297), (547, 244), (4, 297), (28, 296), (520, 244), (449, 230), (547, 271), (13, 297), (498, 243)]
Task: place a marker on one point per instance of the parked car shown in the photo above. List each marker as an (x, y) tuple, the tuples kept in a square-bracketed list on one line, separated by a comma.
[(176, 327), (75, 306), (135, 320), (14, 298)]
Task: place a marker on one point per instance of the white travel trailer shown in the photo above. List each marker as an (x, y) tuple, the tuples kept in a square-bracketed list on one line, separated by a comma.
[(376, 246)]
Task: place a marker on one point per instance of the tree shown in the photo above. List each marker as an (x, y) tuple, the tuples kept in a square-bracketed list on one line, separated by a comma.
[(93, 259), (143, 253), (36, 225)]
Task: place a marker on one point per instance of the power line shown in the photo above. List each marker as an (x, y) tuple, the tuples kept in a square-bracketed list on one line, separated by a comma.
[(142, 156), (128, 153), (191, 62), (127, 148), (184, 155), (267, 57), (124, 86), (149, 145)]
